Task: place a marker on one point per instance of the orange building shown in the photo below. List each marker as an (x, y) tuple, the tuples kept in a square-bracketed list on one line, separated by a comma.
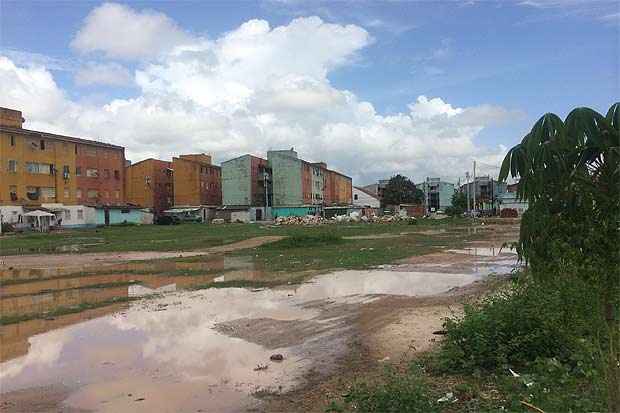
[(196, 181), (338, 188), (149, 184), (39, 167)]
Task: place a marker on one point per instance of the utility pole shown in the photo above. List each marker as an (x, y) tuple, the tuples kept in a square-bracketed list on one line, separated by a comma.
[(474, 188), (467, 191)]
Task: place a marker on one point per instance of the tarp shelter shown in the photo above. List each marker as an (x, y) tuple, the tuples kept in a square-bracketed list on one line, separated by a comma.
[(40, 220)]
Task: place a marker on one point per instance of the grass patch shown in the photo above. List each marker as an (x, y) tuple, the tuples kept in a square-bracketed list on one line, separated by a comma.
[(304, 241), (185, 236)]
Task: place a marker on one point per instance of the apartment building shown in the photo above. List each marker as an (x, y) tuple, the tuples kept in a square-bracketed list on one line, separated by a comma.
[(150, 184), (285, 179), (437, 193), (246, 181), (39, 167), (196, 181)]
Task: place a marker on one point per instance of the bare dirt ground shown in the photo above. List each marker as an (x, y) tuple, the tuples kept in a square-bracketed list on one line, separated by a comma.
[(393, 330), (70, 260)]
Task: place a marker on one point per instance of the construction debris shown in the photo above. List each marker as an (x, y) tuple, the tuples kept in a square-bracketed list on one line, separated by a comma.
[(338, 219)]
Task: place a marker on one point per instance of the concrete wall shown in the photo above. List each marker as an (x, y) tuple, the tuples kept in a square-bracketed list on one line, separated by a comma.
[(293, 211), (286, 178), (237, 181)]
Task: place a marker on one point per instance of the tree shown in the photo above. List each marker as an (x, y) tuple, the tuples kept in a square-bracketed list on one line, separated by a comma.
[(400, 190), (570, 175), (459, 204)]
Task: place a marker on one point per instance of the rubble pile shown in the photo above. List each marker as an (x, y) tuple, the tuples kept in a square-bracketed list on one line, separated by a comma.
[(352, 217)]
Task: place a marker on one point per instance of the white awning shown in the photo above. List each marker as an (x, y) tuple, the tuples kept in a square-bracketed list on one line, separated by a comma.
[(38, 213)]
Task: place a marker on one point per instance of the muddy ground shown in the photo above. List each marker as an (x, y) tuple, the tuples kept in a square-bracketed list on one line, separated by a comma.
[(211, 349)]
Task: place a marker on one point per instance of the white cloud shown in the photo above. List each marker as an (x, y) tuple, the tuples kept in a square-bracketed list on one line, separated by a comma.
[(110, 73), (121, 32), (257, 88)]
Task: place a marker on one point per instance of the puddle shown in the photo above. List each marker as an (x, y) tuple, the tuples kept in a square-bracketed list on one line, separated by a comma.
[(212, 264), (484, 251), (168, 350)]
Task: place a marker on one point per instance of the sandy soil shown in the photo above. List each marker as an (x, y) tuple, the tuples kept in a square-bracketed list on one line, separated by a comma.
[(70, 260)]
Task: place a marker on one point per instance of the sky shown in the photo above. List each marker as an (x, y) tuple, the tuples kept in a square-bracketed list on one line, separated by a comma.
[(373, 88)]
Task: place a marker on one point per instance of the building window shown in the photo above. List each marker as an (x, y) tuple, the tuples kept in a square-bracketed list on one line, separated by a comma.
[(117, 174), (39, 168), (106, 173), (13, 192), (12, 140), (42, 144), (67, 193), (92, 173), (92, 193), (80, 214), (117, 194), (78, 193), (48, 193), (78, 171), (355, 197), (12, 166), (32, 193), (65, 172), (76, 151), (67, 214)]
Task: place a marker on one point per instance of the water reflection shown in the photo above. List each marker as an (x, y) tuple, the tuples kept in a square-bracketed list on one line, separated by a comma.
[(170, 344)]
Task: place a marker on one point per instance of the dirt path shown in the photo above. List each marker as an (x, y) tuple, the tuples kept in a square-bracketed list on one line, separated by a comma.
[(71, 260)]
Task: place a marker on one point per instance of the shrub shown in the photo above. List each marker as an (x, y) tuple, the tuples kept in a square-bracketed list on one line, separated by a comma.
[(518, 325), (394, 393)]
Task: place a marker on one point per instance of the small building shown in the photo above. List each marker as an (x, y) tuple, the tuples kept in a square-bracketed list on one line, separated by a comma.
[(122, 215), (365, 198), (437, 193), (232, 213)]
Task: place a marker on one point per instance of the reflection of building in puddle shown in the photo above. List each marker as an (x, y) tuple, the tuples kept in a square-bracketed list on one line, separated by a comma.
[(45, 302), (209, 264), (14, 338)]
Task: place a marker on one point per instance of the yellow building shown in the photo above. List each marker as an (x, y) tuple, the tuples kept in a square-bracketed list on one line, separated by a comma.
[(38, 167), (196, 180)]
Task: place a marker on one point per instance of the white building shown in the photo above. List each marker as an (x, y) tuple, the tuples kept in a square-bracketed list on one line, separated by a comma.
[(364, 198)]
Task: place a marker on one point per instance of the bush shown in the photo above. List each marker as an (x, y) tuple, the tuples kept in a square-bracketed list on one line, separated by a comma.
[(518, 325)]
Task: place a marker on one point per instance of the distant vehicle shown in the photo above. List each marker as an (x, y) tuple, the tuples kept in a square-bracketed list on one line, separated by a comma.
[(167, 220)]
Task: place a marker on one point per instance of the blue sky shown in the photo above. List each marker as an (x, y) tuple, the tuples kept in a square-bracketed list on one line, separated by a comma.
[(524, 57)]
